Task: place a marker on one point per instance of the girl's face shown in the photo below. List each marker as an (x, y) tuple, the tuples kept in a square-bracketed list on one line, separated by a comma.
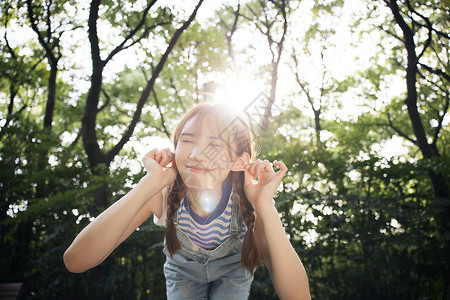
[(202, 157)]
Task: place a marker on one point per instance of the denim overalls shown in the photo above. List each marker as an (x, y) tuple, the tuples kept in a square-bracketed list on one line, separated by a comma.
[(196, 273)]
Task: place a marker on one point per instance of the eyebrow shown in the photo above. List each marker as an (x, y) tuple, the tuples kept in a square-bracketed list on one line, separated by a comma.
[(193, 135)]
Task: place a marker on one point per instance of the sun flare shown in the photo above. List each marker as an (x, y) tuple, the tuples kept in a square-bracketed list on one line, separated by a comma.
[(238, 91)]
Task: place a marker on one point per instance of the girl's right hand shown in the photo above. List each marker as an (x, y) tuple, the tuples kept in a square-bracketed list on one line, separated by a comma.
[(162, 163)]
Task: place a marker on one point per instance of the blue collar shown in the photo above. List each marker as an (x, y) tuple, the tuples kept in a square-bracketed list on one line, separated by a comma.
[(226, 192)]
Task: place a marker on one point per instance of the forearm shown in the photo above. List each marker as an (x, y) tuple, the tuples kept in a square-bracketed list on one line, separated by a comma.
[(287, 271), (97, 240), (262, 243)]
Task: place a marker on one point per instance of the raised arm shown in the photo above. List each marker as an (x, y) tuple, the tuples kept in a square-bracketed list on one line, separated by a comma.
[(286, 269), (97, 240)]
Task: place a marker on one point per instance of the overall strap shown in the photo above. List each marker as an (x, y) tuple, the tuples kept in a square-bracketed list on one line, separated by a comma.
[(236, 215)]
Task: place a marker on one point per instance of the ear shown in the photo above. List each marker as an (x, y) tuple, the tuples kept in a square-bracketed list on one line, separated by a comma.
[(240, 162)]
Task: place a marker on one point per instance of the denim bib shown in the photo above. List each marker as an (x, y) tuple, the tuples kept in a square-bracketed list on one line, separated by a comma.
[(231, 245)]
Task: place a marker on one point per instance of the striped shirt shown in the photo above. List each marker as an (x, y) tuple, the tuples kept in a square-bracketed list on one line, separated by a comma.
[(213, 230)]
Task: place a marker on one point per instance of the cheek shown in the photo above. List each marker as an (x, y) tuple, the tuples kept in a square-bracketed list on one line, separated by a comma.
[(179, 150), (178, 155), (178, 158)]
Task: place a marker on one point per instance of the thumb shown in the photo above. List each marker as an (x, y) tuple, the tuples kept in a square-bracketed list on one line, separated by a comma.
[(283, 169), (149, 162)]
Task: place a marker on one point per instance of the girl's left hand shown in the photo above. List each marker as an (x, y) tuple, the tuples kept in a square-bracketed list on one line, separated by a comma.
[(261, 194)]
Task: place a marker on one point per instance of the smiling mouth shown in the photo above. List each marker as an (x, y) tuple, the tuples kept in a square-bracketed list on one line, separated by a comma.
[(197, 169)]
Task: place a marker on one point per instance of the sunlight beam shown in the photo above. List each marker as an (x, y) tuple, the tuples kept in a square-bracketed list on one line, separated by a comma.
[(238, 91)]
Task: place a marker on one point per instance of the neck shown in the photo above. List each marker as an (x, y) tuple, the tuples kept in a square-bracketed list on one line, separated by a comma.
[(204, 201)]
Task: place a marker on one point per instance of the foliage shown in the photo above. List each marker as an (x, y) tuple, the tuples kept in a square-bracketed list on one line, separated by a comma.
[(366, 225)]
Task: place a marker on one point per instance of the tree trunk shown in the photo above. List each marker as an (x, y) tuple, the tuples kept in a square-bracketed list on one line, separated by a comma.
[(273, 90), (276, 58), (439, 183), (51, 97), (100, 160), (428, 150), (96, 158)]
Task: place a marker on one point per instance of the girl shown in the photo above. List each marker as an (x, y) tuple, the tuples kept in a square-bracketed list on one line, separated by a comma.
[(219, 220)]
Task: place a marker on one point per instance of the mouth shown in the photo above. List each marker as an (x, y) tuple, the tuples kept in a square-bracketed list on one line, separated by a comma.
[(198, 169)]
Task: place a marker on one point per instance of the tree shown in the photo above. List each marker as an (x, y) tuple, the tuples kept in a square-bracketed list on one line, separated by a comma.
[(271, 20), (420, 27), (14, 67), (315, 43), (99, 159)]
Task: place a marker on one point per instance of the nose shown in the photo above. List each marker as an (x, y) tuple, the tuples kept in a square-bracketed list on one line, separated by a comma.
[(197, 153)]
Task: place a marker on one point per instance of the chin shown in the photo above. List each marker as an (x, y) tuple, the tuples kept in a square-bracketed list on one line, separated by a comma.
[(193, 186), (192, 181)]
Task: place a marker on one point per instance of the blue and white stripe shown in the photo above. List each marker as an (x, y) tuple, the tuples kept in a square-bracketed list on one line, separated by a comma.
[(210, 234)]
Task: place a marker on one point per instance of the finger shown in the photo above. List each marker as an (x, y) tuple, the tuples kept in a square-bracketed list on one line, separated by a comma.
[(268, 167), (164, 157), (170, 157), (250, 167), (283, 169), (254, 167), (264, 166), (169, 160), (148, 155), (159, 157)]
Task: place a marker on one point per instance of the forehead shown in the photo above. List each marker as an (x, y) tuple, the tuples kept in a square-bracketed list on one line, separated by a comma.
[(201, 126)]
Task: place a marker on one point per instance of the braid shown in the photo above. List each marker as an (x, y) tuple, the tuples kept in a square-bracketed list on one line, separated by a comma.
[(250, 254), (173, 200)]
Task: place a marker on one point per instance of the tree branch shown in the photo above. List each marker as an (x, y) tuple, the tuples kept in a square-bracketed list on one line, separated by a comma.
[(283, 35), (438, 32), (275, 64), (429, 27), (163, 122), (441, 120), (93, 35), (145, 94), (41, 39), (49, 20), (252, 20), (436, 72), (178, 97), (108, 100), (229, 36), (391, 34), (131, 34), (10, 50), (398, 131)]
